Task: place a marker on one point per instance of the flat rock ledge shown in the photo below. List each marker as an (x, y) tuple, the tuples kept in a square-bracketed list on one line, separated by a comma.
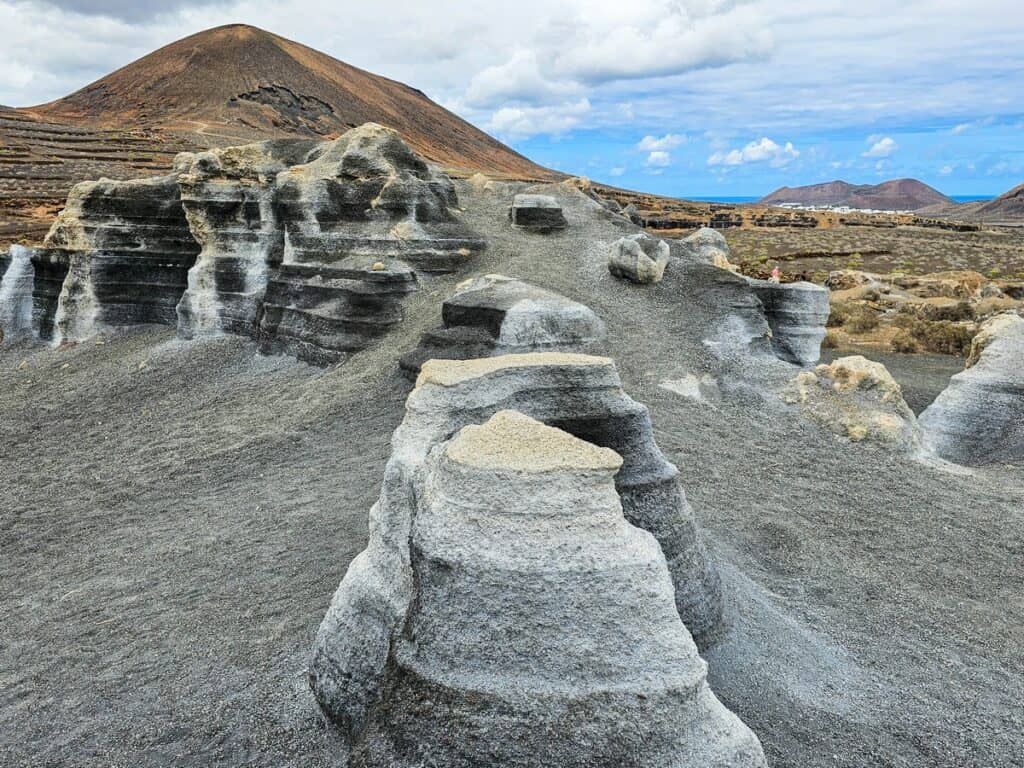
[(578, 394), (979, 417), (539, 213), (497, 315), (858, 399), (535, 626)]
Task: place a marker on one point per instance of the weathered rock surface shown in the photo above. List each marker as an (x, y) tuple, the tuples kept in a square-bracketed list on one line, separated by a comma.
[(796, 313), (17, 280), (979, 417), (497, 315), (229, 199), (640, 258), (707, 245), (541, 628), (858, 399), (577, 393), (128, 250), (539, 213), (358, 218)]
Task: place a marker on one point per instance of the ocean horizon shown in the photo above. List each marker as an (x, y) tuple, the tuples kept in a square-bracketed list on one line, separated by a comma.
[(740, 199)]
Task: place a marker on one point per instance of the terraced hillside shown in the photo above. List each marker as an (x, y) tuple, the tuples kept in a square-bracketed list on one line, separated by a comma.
[(40, 160)]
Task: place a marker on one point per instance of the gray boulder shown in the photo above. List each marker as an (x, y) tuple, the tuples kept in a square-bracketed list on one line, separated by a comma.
[(640, 258), (979, 417), (539, 213), (858, 399), (797, 314), (540, 628), (496, 315), (579, 394)]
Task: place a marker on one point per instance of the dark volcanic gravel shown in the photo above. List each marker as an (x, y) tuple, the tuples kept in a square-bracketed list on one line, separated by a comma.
[(174, 518)]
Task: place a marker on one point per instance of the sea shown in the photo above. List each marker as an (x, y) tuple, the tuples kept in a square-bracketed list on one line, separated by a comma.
[(740, 199)]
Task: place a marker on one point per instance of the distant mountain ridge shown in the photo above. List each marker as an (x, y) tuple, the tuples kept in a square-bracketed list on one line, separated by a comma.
[(894, 195), (1008, 207)]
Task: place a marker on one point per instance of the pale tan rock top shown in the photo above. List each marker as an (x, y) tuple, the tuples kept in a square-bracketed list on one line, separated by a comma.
[(512, 441), (448, 373)]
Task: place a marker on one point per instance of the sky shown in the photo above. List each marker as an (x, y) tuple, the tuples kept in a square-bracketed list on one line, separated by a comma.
[(680, 97)]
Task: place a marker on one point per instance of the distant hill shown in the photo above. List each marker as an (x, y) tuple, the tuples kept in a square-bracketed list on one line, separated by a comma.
[(228, 85), (242, 82), (1008, 208), (895, 195)]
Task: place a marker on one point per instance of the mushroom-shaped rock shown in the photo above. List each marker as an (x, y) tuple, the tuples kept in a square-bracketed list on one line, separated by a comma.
[(579, 394), (640, 258), (540, 627), (797, 314), (857, 398), (540, 213), (496, 315), (979, 417)]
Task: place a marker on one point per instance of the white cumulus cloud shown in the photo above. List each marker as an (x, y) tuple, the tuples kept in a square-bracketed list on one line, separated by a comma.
[(654, 143), (763, 150), (658, 159), (523, 122), (881, 147)]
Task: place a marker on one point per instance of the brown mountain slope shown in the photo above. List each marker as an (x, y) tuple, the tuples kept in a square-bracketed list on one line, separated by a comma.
[(895, 195), (239, 82), (1008, 208)]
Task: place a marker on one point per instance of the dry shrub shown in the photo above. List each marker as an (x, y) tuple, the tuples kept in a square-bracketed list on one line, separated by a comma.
[(904, 342), (952, 312), (944, 336), (861, 320)]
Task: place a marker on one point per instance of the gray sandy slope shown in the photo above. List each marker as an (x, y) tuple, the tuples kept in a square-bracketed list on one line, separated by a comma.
[(174, 517)]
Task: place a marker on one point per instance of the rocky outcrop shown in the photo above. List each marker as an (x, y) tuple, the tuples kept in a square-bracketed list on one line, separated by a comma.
[(858, 399), (128, 250), (359, 218), (497, 315), (538, 213), (539, 627), (579, 394), (229, 199), (705, 245), (796, 313), (979, 417), (17, 279), (639, 258)]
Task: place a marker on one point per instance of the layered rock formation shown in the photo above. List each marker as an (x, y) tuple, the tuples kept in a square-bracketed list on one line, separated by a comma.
[(979, 417), (358, 219), (538, 213), (229, 199), (540, 628), (307, 246), (858, 399), (639, 258), (17, 278), (579, 394), (128, 250), (497, 315), (796, 313)]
